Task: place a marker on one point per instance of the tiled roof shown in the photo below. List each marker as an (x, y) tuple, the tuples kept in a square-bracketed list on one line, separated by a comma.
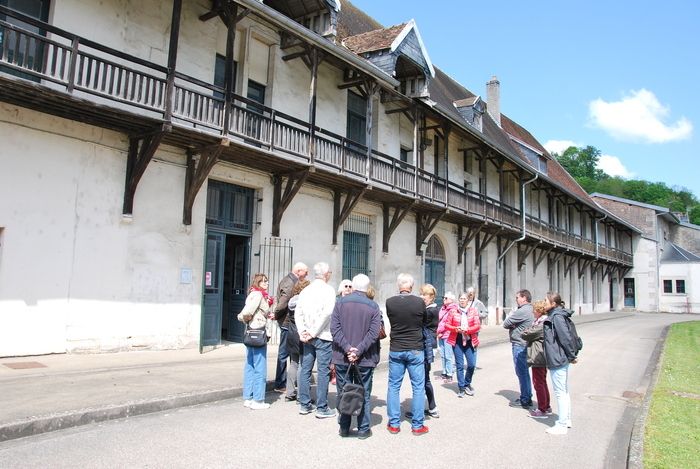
[(378, 39), (353, 21)]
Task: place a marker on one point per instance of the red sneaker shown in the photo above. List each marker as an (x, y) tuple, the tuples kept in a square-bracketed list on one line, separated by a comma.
[(420, 431), (393, 430)]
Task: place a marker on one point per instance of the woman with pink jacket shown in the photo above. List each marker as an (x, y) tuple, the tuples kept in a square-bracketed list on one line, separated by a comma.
[(463, 328), (446, 351)]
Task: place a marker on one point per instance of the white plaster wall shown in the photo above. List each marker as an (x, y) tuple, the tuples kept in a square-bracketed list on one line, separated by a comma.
[(74, 276), (676, 302), (645, 274)]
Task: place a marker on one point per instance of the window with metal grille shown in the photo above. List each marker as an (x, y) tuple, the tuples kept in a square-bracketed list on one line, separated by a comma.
[(356, 246)]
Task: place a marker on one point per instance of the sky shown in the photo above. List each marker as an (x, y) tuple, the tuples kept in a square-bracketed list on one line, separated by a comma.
[(622, 76)]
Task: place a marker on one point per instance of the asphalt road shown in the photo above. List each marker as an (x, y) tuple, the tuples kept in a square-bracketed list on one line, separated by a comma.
[(479, 431)]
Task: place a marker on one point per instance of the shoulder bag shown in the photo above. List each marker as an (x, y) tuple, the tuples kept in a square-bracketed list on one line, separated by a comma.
[(352, 396)]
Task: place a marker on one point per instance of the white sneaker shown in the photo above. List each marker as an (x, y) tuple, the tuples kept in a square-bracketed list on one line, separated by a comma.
[(557, 430), (257, 405), (247, 402)]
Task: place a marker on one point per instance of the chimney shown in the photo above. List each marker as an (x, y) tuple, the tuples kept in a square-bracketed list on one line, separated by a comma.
[(493, 96)]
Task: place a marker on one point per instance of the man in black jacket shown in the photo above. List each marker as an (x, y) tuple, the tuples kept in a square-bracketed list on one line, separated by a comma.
[(284, 293), (406, 313)]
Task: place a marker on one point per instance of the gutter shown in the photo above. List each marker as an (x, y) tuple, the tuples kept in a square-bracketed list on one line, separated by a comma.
[(273, 16)]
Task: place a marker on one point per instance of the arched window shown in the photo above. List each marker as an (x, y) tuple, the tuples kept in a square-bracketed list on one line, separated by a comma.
[(435, 266)]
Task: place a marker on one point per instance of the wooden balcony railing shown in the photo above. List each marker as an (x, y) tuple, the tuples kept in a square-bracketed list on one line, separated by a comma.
[(86, 68)]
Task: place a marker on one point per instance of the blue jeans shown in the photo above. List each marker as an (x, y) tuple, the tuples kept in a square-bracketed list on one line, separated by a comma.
[(464, 377), (315, 350), (448, 357), (399, 362), (282, 355), (366, 374), (255, 373), (560, 384), (523, 373)]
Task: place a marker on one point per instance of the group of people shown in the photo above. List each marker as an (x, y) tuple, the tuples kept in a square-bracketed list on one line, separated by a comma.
[(341, 331), (541, 340)]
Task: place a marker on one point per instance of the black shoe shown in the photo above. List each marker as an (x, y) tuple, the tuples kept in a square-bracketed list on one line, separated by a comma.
[(364, 435), (344, 432), (469, 390), (521, 404), (290, 398), (408, 415)]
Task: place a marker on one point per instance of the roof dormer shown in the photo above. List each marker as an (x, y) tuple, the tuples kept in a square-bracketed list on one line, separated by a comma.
[(400, 52), (472, 110), (320, 16)]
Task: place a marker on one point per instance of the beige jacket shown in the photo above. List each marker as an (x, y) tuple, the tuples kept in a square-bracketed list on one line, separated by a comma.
[(255, 311)]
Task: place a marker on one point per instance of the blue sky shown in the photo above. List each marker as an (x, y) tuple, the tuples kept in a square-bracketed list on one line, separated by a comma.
[(622, 76)]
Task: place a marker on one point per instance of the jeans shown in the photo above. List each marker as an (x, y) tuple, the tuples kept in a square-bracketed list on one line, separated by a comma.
[(292, 376), (315, 350), (399, 362), (282, 355), (255, 373), (539, 382), (366, 374), (464, 378), (560, 384), (521, 370), (448, 357)]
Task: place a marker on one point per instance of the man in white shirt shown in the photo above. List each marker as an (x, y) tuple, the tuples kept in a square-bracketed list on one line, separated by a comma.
[(313, 316)]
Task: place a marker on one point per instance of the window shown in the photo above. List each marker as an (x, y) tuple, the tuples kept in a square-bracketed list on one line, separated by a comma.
[(542, 164), (356, 230), (19, 48), (668, 286), (220, 74), (404, 154), (357, 119), (468, 163), (680, 286)]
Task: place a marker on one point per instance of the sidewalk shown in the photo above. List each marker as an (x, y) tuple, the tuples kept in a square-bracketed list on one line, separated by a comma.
[(51, 392)]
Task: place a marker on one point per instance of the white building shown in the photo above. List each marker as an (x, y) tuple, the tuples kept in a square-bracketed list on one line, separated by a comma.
[(156, 154)]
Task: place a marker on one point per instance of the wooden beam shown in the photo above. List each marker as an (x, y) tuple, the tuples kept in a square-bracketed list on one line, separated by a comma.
[(539, 258), (569, 264), (524, 253), (393, 221), (607, 271), (198, 170), (352, 197), (552, 261), (481, 244), (394, 111), (462, 243), (141, 151), (351, 84), (282, 197), (425, 224), (172, 58), (582, 265)]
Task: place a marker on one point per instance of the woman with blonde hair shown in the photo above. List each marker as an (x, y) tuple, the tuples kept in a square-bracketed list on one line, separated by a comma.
[(254, 315), (534, 336)]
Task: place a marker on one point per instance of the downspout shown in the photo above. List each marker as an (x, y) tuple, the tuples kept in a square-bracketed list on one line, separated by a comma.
[(512, 243), (522, 212)]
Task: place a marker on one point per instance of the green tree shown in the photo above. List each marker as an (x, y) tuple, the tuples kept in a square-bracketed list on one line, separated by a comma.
[(581, 162)]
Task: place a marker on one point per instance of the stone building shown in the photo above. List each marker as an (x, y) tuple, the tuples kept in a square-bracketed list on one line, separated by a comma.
[(666, 272), (157, 153)]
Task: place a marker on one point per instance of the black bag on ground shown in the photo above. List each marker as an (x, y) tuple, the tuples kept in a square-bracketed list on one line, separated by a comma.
[(255, 337), (352, 396)]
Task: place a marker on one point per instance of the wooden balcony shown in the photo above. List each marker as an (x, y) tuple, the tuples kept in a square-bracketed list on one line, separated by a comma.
[(70, 76)]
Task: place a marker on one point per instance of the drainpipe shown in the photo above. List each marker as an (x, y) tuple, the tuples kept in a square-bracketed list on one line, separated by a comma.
[(512, 243)]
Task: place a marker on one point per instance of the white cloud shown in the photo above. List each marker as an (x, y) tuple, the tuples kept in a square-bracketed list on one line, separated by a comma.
[(612, 166), (638, 117), (558, 146)]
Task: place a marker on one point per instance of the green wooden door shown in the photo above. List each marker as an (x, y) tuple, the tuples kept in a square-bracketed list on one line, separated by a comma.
[(213, 288)]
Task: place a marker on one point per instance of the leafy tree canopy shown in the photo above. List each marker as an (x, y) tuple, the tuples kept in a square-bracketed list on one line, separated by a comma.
[(582, 164)]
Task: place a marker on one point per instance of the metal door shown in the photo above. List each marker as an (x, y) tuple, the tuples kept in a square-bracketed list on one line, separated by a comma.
[(629, 293), (213, 288)]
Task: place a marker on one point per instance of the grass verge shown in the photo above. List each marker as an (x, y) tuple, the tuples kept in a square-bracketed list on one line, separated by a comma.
[(672, 434)]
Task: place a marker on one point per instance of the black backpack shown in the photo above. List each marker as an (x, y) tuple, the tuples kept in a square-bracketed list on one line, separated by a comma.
[(578, 343)]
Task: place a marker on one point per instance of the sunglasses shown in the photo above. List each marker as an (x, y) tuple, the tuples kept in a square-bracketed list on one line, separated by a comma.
[(347, 286)]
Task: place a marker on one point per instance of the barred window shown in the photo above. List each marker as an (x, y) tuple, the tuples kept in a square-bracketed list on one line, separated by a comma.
[(356, 246)]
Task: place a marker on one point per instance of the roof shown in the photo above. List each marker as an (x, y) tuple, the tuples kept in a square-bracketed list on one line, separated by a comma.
[(674, 253), (371, 41), (690, 225), (666, 213)]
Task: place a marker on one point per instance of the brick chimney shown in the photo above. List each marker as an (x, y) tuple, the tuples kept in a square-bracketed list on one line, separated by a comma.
[(493, 96)]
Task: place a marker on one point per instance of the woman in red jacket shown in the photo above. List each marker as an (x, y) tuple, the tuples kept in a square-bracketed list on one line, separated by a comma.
[(464, 327)]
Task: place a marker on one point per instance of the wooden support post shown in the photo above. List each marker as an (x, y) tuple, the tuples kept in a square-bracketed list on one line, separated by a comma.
[(425, 224), (141, 151), (523, 254), (462, 243), (482, 243), (229, 15), (582, 265), (352, 197), (392, 222), (280, 200), (172, 58), (539, 258), (416, 144), (569, 264), (314, 61), (198, 170), (371, 87)]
